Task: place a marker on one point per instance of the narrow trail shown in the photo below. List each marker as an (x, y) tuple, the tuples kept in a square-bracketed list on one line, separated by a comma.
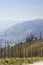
[(37, 63)]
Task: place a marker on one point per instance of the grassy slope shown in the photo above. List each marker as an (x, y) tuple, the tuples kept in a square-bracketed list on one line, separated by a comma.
[(19, 61)]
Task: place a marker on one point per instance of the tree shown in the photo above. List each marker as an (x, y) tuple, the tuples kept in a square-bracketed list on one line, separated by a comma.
[(28, 39)]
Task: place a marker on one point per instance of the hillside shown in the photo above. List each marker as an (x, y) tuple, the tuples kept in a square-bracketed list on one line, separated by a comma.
[(19, 32), (33, 48)]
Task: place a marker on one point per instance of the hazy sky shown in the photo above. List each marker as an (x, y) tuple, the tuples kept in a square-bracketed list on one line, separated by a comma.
[(12, 10)]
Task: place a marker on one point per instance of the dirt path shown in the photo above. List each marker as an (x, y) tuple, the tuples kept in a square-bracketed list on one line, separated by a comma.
[(37, 63)]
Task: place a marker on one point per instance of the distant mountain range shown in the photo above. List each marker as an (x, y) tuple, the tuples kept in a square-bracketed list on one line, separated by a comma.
[(19, 32)]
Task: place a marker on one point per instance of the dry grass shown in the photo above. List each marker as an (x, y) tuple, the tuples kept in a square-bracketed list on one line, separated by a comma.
[(19, 61)]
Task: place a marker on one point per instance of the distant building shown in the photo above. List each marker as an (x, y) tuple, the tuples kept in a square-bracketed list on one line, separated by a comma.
[(33, 37)]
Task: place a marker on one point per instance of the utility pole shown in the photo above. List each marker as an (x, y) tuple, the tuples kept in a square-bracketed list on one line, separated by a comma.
[(5, 51), (40, 35), (1, 50)]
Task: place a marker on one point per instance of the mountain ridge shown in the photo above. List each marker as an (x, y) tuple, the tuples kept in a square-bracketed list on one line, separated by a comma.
[(19, 32)]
